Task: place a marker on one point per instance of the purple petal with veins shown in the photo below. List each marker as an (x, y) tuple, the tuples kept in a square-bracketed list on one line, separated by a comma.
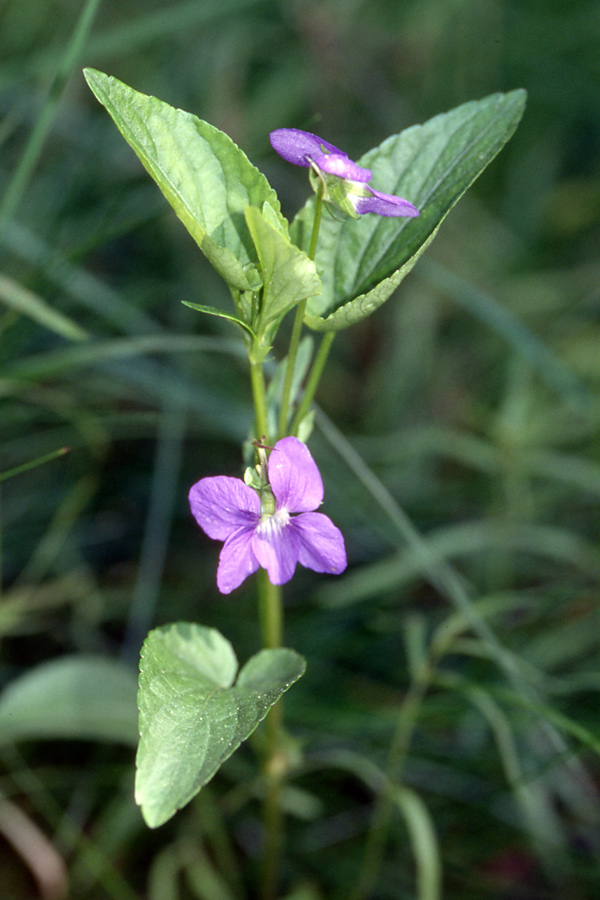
[(227, 509), (299, 147), (384, 205)]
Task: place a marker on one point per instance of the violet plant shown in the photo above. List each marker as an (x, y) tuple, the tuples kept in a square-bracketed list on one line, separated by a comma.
[(333, 271)]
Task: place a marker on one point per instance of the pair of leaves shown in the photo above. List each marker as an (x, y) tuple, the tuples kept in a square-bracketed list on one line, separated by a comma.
[(192, 715), (234, 215)]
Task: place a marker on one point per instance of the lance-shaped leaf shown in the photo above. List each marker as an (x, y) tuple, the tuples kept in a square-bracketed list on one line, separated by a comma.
[(288, 274), (192, 716), (432, 165), (205, 177)]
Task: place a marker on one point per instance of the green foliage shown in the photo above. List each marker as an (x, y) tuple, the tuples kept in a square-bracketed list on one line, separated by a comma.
[(207, 179), (288, 275), (76, 697), (457, 405), (193, 716), (363, 261)]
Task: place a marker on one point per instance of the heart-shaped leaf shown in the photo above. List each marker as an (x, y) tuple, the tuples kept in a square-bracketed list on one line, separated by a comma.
[(192, 716), (205, 177), (432, 165)]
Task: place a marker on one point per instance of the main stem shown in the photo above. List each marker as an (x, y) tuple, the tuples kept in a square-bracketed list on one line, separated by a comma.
[(271, 627), (259, 395), (271, 622), (270, 604)]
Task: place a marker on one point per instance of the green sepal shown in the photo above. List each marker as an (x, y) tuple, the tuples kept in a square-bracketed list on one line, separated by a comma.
[(205, 177), (432, 165)]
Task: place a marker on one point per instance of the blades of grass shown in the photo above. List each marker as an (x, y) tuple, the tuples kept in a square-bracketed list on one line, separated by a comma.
[(142, 31), (29, 304), (146, 380), (443, 577), (206, 882), (521, 338), (23, 605), (161, 505), (32, 464), (423, 839), (88, 290), (164, 874), (478, 453), (539, 816), (52, 544), (17, 184), (424, 842), (465, 540), (435, 570), (563, 722), (60, 362), (218, 413), (67, 832)]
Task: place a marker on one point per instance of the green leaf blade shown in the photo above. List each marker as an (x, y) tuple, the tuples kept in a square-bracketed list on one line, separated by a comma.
[(192, 718), (432, 165), (71, 698), (289, 276), (205, 177)]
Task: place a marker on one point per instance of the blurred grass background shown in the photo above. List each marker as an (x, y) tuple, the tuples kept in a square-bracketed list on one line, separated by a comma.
[(458, 439)]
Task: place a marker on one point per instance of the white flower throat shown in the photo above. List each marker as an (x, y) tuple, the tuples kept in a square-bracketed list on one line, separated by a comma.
[(272, 525)]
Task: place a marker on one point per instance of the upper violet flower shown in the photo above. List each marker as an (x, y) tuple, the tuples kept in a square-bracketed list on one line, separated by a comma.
[(305, 149), (258, 525)]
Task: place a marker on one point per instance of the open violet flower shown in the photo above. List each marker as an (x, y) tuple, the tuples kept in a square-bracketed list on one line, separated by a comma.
[(259, 526), (305, 149)]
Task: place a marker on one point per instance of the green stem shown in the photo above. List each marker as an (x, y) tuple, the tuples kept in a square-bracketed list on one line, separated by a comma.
[(259, 395), (271, 621), (313, 380), (270, 610), (286, 391)]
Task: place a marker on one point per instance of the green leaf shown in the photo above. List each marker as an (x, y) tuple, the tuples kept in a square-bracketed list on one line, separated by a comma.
[(288, 275), (205, 177), (75, 697), (26, 302), (212, 311), (432, 165), (192, 716)]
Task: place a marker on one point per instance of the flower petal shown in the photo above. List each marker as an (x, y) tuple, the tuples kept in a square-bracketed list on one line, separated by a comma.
[(297, 146), (236, 560), (384, 205), (222, 504), (337, 164), (275, 545), (294, 476), (321, 543)]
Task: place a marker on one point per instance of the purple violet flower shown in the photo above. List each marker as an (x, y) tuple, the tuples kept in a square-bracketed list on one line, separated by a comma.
[(229, 510), (305, 149)]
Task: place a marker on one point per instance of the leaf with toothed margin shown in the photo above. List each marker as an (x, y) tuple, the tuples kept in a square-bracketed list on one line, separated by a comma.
[(205, 177), (194, 714), (364, 260)]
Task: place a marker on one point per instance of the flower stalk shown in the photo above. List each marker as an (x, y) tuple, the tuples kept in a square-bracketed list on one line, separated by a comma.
[(284, 414)]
